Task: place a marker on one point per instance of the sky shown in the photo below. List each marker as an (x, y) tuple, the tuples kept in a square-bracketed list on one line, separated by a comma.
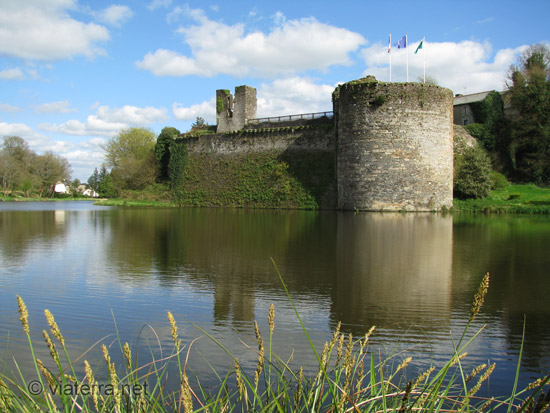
[(74, 73)]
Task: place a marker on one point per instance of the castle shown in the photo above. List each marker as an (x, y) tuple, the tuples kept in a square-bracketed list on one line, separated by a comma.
[(392, 143)]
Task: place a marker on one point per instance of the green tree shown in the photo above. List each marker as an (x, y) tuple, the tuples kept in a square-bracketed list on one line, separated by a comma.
[(130, 154), (472, 177), (529, 89), (94, 181), (162, 150), (48, 169), (15, 158)]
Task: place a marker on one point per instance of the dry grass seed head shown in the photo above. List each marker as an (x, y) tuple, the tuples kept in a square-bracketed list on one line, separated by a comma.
[(91, 381), (49, 377), (271, 318), (299, 389), (186, 394), (51, 346), (339, 349), (479, 298), (24, 314), (174, 330), (475, 372), (423, 376), (127, 355), (456, 358), (483, 377), (54, 327)]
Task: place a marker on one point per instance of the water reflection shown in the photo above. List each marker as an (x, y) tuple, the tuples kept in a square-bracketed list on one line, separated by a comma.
[(393, 270), (411, 274)]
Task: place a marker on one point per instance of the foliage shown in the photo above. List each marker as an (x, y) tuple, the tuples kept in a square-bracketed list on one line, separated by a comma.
[(16, 165), (291, 180), (529, 89), (106, 188), (482, 134), (513, 199), (162, 150), (176, 167), (199, 123), (472, 173), (132, 158), (498, 181), (348, 376), (94, 180), (47, 170)]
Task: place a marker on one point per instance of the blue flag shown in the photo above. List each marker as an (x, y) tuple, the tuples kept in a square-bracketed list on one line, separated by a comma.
[(402, 43)]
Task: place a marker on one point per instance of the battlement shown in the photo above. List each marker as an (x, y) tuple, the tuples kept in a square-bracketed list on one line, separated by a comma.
[(232, 112)]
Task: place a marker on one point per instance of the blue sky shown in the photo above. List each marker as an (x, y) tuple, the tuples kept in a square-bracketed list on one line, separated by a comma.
[(74, 73)]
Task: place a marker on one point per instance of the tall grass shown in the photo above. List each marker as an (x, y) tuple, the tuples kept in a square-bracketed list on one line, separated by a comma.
[(349, 377)]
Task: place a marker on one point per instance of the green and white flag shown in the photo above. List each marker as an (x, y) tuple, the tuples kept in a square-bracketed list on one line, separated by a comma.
[(420, 46)]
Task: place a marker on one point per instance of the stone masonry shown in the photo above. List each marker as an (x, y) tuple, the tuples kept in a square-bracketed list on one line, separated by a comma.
[(233, 112), (392, 142), (394, 146)]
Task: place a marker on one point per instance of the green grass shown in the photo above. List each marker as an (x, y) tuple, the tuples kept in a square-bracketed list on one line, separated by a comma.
[(124, 202), (349, 378), (513, 199)]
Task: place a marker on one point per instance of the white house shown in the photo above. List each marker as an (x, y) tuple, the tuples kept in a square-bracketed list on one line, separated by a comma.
[(61, 188)]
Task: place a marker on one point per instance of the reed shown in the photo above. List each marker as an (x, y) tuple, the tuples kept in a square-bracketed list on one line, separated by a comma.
[(349, 377)]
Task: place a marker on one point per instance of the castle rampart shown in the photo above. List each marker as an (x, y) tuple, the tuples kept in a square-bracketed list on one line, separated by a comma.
[(394, 146), (388, 147)]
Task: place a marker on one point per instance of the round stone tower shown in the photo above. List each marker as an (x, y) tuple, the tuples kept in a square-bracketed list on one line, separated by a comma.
[(394, 146)]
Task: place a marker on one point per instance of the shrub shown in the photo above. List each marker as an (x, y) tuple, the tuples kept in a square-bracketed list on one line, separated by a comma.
[(498, 181), (472, 174)]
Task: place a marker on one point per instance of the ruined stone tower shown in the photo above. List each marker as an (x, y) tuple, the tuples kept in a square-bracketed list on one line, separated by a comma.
[(394, 146), (233, 112)]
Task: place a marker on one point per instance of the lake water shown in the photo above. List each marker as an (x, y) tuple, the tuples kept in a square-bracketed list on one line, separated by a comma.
[(411, 275)]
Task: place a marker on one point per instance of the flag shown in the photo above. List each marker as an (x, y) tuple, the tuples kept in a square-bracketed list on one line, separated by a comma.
[(420, 46), (389, 44), (402, 43)]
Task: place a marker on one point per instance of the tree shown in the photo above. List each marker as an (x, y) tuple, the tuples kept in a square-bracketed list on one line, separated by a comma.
[(48, 169), (94, 181), (472, 173), (15, 157), (529, 89), (131, 157), (199, 123), (162, 150)]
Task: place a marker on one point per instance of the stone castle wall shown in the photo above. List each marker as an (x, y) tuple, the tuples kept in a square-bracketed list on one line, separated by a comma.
[(389, 145), (233, 112), (394, 146)]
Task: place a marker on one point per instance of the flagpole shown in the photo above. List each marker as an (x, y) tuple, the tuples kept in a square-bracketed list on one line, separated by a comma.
[(423, 45), (389, 51), (406, 46)]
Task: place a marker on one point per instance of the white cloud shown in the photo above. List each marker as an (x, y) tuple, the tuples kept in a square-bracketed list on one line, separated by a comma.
[(4, 107), (16, 129), (282, 97), (109, 121), (465, 67), (55, 107), (291, 46), (114, 15), (206, 110), (293, 96), (44, 30), (155, 4), (12, 74)]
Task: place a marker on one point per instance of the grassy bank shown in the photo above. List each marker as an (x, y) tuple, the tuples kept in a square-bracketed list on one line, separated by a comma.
[(349, 378), (17, 198), (513, 199)]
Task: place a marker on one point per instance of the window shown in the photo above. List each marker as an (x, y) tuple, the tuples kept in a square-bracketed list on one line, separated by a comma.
[(465, 110)]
